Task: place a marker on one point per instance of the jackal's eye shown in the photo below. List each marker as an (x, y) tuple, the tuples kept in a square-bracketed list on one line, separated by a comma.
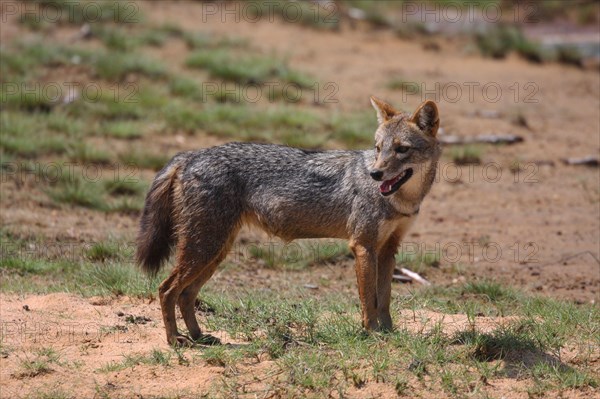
[(377, 149), (402, 149)]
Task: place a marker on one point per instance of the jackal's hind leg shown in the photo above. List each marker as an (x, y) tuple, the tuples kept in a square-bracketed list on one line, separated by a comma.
[(168, 293), (187, 301), (203, 244)]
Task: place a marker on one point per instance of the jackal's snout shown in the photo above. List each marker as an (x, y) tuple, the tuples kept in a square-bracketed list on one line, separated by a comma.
[(376, 174)]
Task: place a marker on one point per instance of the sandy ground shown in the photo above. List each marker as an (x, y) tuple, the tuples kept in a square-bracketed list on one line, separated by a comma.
[(90, 334)]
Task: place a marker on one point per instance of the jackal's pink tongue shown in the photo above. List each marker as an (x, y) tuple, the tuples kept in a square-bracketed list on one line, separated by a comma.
[(387, 185)]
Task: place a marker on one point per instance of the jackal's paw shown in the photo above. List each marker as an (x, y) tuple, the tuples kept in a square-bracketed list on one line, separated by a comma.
[(181, 341), (385, 327), (207, 339)]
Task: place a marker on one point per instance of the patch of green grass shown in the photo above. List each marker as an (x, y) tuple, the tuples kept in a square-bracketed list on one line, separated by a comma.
[(125, 187), (532, 51), (87, 153), (24, 266), (300, 254), (117, 279), (221, 356), (563, 377), (108, 251), (466, 154), (73, 12), (40, 364), (62, 123), (23, 59), (124, 129), (283, 124), (203, 40), (34, 22), (310, 370), (116, 66), (250, 69), (356, 130), (39, 274), (304, 13), (492, 290), (315, 351), (411, 29), (500, 40), (103, 195), (158, 357), (569, 55), (198, 40), (155, 358), (404, 85), (135, 102), (121, 38), (25, 97), (418, 262), (144, 159), (54, 393), (79, 192), (171, 29), (185, 87), (497, 345), (115, 37), (156, 37), (127, 205), (25, 135)]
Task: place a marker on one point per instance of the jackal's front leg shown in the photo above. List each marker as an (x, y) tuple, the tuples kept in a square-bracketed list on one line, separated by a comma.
[(366, 276), (385, 270)]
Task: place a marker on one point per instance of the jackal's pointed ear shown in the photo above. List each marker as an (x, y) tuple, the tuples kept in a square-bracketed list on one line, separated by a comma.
[(426, 117), (385, 111)]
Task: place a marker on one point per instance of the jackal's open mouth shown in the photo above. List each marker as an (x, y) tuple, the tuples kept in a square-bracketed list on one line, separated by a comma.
[(389, 187)]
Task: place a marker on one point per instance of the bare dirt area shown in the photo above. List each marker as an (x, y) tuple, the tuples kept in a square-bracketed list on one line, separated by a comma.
[(91, 337), (519, 216)]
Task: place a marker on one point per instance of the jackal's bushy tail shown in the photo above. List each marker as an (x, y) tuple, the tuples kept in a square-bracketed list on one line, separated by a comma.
[(157, 228)]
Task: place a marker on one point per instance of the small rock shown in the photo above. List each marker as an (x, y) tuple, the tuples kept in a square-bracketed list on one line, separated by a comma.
[(590, 160), (401, 278), (26, 308), (311, 286), (489, 113), (137, 319), (357, 13), (544, 162), (120, 314), (85, 32)]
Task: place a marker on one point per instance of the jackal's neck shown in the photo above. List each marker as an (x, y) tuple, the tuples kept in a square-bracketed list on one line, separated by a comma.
[(409, 197)]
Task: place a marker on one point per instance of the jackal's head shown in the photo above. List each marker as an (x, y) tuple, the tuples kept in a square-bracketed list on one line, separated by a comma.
[(406, 148)]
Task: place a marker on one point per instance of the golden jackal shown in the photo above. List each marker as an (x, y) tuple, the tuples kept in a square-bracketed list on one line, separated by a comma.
[(200, 199)]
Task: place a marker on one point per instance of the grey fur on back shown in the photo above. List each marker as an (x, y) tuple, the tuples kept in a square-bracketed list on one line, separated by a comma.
[(289, 192)]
